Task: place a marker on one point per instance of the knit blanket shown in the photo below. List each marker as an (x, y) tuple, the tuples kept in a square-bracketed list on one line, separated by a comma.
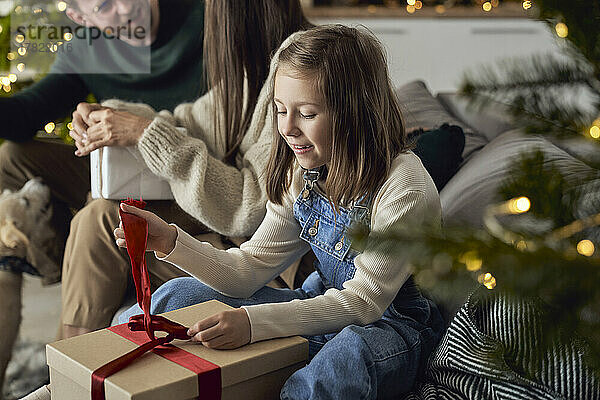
[(491, 351)]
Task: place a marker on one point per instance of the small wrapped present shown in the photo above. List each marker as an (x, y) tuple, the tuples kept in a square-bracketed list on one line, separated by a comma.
[(120, 172), (181, 370)]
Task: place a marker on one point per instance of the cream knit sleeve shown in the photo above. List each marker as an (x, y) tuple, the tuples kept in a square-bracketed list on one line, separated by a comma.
[(180, 148)]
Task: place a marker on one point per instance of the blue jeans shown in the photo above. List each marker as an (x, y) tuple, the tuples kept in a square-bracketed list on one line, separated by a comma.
[(376, 361)]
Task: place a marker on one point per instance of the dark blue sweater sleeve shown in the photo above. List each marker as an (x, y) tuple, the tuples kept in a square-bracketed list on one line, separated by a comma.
[(53, 97)]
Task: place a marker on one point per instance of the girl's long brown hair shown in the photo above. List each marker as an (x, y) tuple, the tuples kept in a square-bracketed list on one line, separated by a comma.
[(350, 70), (240, 37)]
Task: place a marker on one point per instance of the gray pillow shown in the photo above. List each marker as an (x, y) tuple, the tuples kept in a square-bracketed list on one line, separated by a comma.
[(423, 111), (476, 184), (489, 122)]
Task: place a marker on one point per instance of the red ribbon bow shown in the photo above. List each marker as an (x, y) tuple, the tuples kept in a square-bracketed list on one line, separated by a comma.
[(136, 237)]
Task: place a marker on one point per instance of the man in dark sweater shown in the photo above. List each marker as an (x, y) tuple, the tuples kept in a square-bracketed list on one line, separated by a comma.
[(173, 53)]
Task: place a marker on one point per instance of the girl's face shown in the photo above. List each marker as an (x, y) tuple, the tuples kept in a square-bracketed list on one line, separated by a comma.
[(302, 119)]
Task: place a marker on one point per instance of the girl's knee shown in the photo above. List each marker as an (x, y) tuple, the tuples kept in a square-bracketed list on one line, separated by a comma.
[(180, 292)]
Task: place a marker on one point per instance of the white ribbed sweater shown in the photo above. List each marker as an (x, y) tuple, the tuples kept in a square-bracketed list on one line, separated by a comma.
[(408, 196)]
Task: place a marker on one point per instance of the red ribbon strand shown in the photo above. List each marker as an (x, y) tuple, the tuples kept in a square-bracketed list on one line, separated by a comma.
[(209, 374)]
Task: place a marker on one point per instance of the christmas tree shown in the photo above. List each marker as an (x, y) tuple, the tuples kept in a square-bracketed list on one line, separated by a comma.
[(540, 243)]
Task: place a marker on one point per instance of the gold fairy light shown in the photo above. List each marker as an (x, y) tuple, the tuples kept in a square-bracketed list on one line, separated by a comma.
[(61, 6), (561, 30), (20, 67), (518, 205), (418, 4), (5, 80), (410, 9), (471, 260), (521, 245), (11, 56), (495, 3), (595, 132), (6, 88), (411, 2), (68, 36), (440, 9), (487, 6), (19, 38), (70, 126), (12, 77), (487, 280), (527, 5), (49, 127), (22, 51), (1, 28), (586, 248)]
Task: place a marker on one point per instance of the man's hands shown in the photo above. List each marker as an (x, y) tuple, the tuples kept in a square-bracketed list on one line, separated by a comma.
[(96, 126), (161, 236), (225, 330)]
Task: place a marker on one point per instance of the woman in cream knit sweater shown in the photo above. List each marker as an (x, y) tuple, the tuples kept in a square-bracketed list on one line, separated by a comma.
[(212, 152)]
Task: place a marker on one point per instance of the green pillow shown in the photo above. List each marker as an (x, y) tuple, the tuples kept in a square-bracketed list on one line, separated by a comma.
[(440, 150)]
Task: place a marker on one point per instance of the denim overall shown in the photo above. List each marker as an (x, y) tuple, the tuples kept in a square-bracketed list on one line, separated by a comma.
[(377, 361)]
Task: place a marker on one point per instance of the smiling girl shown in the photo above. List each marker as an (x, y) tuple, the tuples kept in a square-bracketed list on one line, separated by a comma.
[(339, 158)]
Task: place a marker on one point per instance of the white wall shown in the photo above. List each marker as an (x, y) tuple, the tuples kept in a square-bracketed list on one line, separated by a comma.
[(439, 50)]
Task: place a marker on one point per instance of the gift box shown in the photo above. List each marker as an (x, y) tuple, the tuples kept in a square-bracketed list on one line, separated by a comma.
[(254, 371), (120, 172)]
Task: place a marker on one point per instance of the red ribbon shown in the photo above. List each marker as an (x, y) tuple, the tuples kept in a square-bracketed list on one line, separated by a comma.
[(209, 374)]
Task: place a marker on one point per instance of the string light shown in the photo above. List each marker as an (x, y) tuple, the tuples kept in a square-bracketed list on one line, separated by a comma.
[(12, 77), (487, 280), (418, 4), (527, 5), (21, 67), (595, 132), (19, 38), (6, 88), (68, 36), (518, 205), (61, 6), (410, 2), (495, 3), (521, 245), (50, 127), (70, 126), (22, 51), (471, 260), (561, 30), (487, 6), (5, 80), (11, 56), (410, 9), (586, 248), (440, 9)]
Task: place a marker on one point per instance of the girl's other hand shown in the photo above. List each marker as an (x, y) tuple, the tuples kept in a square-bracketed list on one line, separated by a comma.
[(161, 236), (225, 330)]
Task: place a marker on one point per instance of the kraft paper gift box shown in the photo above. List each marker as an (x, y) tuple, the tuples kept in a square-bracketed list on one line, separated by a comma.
[(120, 172), (255, 371)]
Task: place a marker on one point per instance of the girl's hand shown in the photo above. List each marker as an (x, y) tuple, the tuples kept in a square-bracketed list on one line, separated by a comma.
[(109, 127), (161, 236), (225, 330)]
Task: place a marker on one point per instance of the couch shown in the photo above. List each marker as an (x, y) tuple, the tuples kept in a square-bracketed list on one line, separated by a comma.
[(487, 352)]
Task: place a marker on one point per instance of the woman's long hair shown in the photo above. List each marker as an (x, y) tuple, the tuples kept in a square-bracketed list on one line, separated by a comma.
[(240, 37), (349, 68)]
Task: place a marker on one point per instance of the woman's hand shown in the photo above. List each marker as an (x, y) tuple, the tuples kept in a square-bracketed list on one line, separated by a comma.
[(110, 127), (225, 330), (81, 122), (161, 236)]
